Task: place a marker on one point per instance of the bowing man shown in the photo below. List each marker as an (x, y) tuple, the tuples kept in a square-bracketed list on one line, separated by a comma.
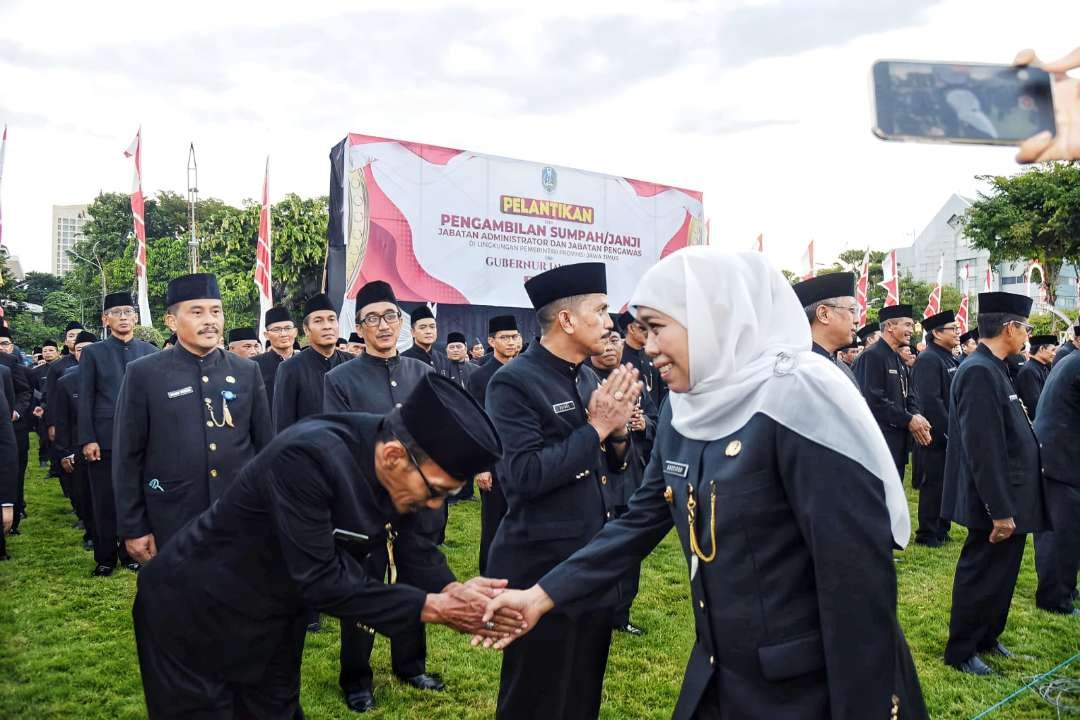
[(220, 613), (829, 303), (188, 418), (993, 483), (785, 507)]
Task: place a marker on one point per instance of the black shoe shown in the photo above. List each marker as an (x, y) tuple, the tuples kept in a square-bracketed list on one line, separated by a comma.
[(1000, 650), (929, 542), (360, 701), (425, 681), (314, 627), (14, 531), (630, 629), (87, 544), (974, 666), (133, 566), (102, 571)]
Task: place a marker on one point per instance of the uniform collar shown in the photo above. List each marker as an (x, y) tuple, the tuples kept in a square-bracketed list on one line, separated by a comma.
[(211, 358), (556, 363), (121, 343), (822, 351), (380, 362), (989, 354)]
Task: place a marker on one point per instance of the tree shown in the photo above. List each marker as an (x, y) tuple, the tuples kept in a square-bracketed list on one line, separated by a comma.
[(1032, 215), (60, 308)]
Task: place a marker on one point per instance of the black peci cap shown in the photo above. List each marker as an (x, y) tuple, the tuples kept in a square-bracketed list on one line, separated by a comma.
[(824, 287), (969, 335), (501, 323), (422, 312), (85, 337), (73, 325), (318, 302), (566, 281), (1040, 340), (341, 342), (450, 426), (1005, 302), (5, 331), (49, 343), (936, 321), (197, 286), (117, 299), (354, 338), (276, 315), (374, 292), (624, 320), (456, 337), (172, 340), (867, 330), (894, 312), (241, 334)]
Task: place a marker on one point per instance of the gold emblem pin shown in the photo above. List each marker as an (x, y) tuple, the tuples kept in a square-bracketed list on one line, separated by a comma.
[(230, 379), (733, 448), (669, 495)]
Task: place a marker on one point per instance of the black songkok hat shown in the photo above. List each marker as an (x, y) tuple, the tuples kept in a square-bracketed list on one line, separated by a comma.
[(197, 286), (1076, 331), (276, 315), (969, 335), (936, 321), (373, 292), (5, 331), (49, 343), (73, 325), (867, 330), (824, 287), (894, 312), (340, 342), (450, 426), (1040, 340), (241, 334), (1005, 302), (624, 320), (117, 299), (315, 303), (354, 338), (456, 337), (566, 281), (172, 340), (501, 323), (422, 312), (85, 337), (37, 350)]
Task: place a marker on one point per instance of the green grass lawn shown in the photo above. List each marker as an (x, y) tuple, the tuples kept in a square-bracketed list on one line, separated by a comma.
[(67, 649)]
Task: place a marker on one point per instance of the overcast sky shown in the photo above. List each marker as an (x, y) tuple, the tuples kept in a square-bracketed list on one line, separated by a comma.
[(763, 105)]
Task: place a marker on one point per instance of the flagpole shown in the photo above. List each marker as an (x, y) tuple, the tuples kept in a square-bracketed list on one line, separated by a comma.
[(193, 199)]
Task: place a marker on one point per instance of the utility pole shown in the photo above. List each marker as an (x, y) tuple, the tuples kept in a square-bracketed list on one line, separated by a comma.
[(192, 198)]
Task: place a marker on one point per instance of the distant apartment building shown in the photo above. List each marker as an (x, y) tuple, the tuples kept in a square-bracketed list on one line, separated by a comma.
[(67, 225), (943, 240)]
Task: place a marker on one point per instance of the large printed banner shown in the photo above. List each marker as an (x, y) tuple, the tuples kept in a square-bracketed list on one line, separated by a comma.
[(452, 226)]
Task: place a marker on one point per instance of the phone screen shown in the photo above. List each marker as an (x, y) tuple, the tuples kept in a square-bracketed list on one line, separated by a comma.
[(942, 102)]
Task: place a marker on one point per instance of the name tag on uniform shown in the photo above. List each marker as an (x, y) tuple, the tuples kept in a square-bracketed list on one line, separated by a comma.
[(893, 372), (1012, 397), (563, 407), (951, 370), (677, 469), (181, 392)]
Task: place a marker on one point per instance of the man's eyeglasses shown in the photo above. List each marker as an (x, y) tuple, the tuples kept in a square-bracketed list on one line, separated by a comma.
[(6, 343), (508, 338), (849, 309), (121, 312), (283, 330), (1023, 325), (433, 492), (951, 328), (373, 320)]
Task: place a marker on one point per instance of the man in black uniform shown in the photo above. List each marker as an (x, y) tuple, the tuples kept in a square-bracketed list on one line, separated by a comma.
[(298, 392), (829, 304), (355, 345), (219, 614), (884, 383), (102, 367), (188, 419), (1032, 376), (505, 342), (281, 333), (993, 483), (931, 378), (9, 465), (633, 352), (1069, 345), (73, 466), (22, 416), (563, 432), (969, 341), (38, 377), (424, 333), (1057, 426), (377, 382), (869, 334), (244, 342), (56, 370), (458, 366)]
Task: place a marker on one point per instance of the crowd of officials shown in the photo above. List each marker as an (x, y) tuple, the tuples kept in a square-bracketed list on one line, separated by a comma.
[(256, 487)]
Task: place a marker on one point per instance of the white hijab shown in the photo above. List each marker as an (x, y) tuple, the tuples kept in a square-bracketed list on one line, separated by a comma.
[(749, 348)]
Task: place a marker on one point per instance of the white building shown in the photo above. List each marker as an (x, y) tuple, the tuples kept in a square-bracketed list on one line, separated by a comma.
[(943, 240), (67, 225)]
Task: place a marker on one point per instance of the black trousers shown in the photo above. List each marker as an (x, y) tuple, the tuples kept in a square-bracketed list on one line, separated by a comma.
[(78, 483), (175, 689), (408, 652), (1057, 552), (557, 670), (108, 548), (492, 510), (628, 590), (22, 448), (930, 466), (982, 593)]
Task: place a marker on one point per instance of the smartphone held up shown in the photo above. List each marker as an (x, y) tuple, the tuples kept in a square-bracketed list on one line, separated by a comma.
[(960, 103)]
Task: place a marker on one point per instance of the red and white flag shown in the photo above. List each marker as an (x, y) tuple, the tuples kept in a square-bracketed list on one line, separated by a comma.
[(891, 283), (135, 151), (807, 262), (759, 243), (3, 149), (988, 281), (862, 287), (263, 257), (934, 306), (962, 315)]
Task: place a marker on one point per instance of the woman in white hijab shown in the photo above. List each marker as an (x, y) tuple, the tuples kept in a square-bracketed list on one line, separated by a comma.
[(785, 498)]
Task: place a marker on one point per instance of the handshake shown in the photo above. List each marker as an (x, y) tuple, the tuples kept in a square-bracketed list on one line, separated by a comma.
[(494, 615)]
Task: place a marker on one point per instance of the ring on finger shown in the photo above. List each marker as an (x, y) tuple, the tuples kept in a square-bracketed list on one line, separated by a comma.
[(618, 395), (489, 625)]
